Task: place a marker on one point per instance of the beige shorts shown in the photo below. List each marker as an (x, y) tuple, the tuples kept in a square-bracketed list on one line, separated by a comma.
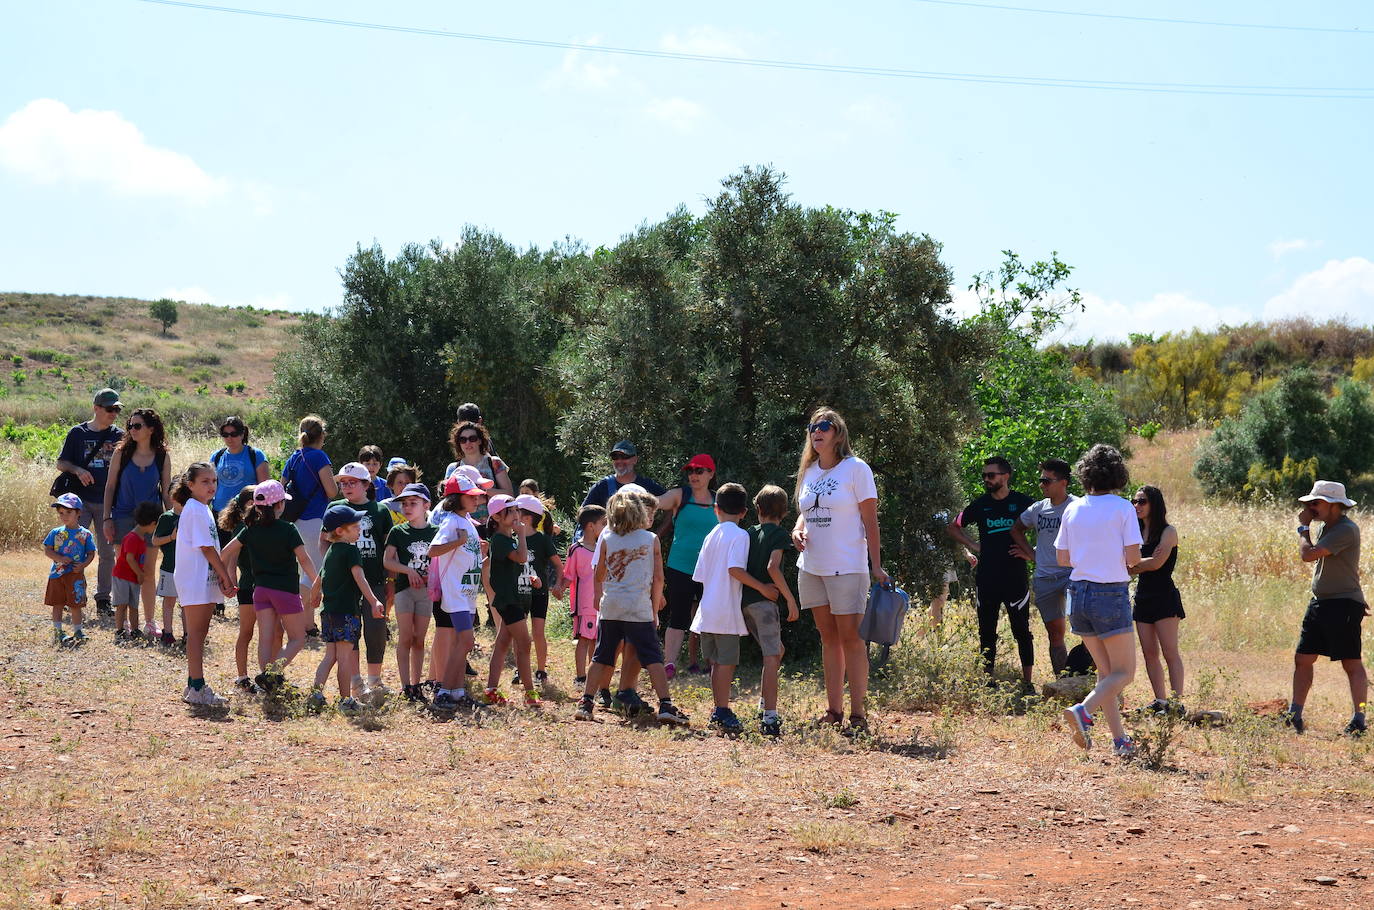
[(414, 601), (846, 595), (720, 649), (765, 625)]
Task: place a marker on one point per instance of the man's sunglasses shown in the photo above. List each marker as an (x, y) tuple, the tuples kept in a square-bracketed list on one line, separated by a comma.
[(1046, 481), (821, 426), (111, 410), (989, 475)]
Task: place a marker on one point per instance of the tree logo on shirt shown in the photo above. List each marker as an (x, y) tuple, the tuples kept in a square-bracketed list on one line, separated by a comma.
[(419, 556), (817, 516)]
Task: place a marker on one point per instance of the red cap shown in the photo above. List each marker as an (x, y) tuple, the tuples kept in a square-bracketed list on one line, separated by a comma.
[(701, 461)]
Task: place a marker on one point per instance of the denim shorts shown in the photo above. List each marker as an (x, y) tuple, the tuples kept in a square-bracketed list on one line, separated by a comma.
[(1099, 609)]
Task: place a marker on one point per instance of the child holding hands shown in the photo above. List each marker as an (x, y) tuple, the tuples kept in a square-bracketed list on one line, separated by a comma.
[(768, 540), (200, 577)]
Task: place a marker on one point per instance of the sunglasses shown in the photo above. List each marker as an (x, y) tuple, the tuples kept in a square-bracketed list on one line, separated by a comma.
[(620, 456), (467, 439), (1140, 502), (989, 475), (1044, 481), (111, 410), (136, 426), (821, 426), (230, 434), (698, 470)]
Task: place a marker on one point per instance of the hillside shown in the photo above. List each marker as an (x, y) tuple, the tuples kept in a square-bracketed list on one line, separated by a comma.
[(59, 348)]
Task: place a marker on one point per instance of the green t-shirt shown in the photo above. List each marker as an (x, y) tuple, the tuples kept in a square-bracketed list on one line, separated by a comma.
[(272, 549), (541, 549), (339, 592), (373, 530), (412, 549), (167, 523), (763, 540), (1338, 576), (505, 572)]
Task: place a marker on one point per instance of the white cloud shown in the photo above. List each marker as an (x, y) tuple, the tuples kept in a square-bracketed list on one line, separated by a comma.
[(1342, 287), (196, 294), (48, 142), (678, 113), (703, 41), (1280, 248), (874, 112), (585, 70), (1168, 311)]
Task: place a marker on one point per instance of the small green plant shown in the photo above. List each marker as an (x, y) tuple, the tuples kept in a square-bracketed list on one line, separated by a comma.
[(18, 377), (1154, 733), (17, 360), (1148, 431), (42, 355), (843, 799)]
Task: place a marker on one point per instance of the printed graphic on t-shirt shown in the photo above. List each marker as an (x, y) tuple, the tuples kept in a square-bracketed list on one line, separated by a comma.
[(817, 514), (471, 582), (525, 583), (620, 560), (233, 472), (73, 544), (419, 556), (97, 458), (367, 546)]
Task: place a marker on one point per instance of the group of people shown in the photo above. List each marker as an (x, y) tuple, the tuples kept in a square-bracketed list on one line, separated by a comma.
[(368, 542)]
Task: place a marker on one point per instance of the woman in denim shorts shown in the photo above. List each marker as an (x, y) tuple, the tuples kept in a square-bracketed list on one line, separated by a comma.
[(1099, 537)]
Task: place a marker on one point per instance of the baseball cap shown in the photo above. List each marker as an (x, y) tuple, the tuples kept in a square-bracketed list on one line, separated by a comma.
[(462, 484), (397, 462), (499, 503), (68, 501), (471, 473), (413, 489), (530, 503), (625, 447), (338, 516), (701, 461), (269, 493), (355, 471), (108, 398)]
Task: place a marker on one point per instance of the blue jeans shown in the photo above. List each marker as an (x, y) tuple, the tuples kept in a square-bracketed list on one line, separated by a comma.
[(1099, 609)]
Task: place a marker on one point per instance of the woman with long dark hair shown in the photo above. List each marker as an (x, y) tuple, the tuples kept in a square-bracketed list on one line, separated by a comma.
[(139, 472), (1158, 604)]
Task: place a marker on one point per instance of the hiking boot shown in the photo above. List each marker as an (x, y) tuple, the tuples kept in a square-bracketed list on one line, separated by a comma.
[(1293, 720), (724, 720), (135, 635), (349, 706), (771, 725), (1080, 723), (121, 635), (515, 680), (444, 701), (586, 709), (1356, 728), (669, 713), (629, 702)]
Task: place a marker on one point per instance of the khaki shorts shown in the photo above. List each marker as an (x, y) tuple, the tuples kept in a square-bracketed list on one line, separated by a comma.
[(414, 601), (765, 625), (720, 649), (846, 595)]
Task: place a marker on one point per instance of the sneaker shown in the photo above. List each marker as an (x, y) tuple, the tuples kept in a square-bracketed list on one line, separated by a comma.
[(1293, 720), (219, 610), (670, 713), (247, 685), (444, 701), (268, 681), (541, 678), (349, 706), (206, 697), (580, 682), (1079, 721), (1356, 728), (409, 694), (586, 709), (531, 698), (168, 639), (670, 670), (695, 670), (315, 702), (629, 702), (1123, 748), (151, 630), (470, 671), (493, 698), (603, 699), (102, 607), (515, 680), (135, 635), (59, 637), (771, 725), (79, 636), (121, 635), (724, 720)]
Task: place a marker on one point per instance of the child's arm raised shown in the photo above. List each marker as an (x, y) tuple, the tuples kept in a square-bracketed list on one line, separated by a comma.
[(521, 553), (775, 573), (372, 601)]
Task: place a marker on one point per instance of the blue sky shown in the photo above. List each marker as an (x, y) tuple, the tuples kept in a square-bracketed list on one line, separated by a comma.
[(149, 150)]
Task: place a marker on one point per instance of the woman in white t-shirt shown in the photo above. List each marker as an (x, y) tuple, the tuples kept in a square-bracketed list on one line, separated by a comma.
[(837, 536), (1099, 537)]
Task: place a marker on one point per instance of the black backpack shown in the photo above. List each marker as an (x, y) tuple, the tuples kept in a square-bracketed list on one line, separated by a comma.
[(216, 458), (294, 506)]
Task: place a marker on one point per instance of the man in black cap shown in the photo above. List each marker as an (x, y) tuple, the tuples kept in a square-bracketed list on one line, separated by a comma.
[(625, 459), (86, 455)]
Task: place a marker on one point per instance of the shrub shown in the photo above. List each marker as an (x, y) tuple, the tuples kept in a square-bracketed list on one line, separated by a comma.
[(42, 355)]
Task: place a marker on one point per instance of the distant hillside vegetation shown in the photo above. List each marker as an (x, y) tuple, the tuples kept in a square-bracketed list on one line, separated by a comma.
[(57, 349)]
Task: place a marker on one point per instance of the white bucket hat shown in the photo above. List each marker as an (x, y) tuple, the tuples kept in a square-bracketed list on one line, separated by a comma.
[(1328, 491)]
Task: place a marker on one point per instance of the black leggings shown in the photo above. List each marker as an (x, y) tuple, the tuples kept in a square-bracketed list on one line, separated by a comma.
[(991, 598), (375, 635)]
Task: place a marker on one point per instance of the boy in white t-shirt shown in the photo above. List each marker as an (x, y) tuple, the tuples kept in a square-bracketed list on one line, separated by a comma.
[(722, 569)]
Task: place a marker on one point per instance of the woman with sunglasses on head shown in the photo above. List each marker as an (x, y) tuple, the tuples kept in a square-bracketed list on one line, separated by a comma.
[(692, 509), (140, 471), (1158, 604), (838, 540)]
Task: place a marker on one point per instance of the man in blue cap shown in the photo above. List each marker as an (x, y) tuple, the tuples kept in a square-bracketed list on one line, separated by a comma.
[(86, 455), (625, 459)]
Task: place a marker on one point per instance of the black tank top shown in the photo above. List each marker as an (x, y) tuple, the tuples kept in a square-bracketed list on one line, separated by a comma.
[(1161, 580)]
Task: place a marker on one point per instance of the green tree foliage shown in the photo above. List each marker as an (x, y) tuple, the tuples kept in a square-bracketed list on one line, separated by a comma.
[(1033, 405), (1182, 379), (1286, 434), (165, 312)]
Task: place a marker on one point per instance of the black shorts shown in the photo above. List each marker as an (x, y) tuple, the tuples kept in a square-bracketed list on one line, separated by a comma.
[(516, 612), (1157, 605), (442, 618), (539, 603), (682, 595), (1331, 628), (642, 636)]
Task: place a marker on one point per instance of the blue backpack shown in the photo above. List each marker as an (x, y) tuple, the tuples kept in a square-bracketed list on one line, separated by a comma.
[(886, 613)]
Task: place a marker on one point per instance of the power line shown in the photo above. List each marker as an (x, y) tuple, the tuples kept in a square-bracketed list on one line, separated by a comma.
[(1358, 93), (1154, 19)]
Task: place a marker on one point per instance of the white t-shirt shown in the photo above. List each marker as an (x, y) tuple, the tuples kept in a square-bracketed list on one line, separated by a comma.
[(725, 548), (459, 571), (835, 541), (195, 577), (1094, 531)]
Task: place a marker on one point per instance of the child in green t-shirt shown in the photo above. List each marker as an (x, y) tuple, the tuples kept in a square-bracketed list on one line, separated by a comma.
[(342, 582), (543, 571), (508, 592)]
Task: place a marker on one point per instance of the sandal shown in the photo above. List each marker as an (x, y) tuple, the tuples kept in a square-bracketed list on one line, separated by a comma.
[(831, 718), (858, 723)]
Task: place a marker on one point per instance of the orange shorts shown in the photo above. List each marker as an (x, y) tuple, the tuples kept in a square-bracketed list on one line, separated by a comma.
[(67, 591)]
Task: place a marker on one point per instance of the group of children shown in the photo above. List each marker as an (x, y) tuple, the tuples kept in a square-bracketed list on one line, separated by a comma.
[(387, 546)]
